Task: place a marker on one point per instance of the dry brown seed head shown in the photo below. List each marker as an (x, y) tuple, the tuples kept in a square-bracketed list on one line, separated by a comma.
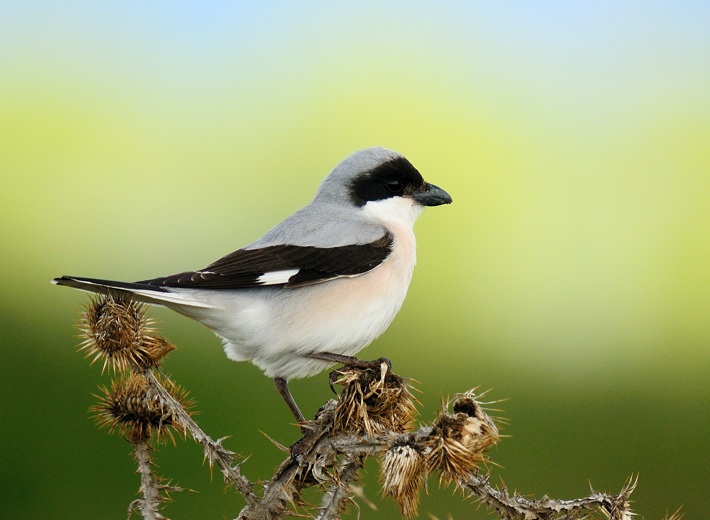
[(116, 329), (403, 474), (458, 441), (373, 401), (139, 413)]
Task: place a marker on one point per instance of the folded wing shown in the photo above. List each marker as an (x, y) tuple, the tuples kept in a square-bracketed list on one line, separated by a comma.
[(285, 265)]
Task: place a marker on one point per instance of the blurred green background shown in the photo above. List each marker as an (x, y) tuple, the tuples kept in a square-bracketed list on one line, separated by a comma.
[(571, 275)]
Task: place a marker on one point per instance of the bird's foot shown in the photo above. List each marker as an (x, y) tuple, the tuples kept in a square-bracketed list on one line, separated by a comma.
[(349, 361)]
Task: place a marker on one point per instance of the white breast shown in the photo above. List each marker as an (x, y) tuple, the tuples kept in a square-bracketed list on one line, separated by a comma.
[(276, 327)]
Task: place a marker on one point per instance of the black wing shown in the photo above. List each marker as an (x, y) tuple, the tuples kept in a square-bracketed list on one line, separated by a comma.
[(282, 265)]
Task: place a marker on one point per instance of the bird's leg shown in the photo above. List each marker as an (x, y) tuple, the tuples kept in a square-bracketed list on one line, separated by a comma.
[(282, 388), (349, 360)]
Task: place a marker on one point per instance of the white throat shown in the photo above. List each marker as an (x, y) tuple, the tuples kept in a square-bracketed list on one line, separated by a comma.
[(402, 210)]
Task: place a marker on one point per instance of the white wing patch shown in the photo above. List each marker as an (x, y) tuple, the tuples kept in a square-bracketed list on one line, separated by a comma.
[(276, 277)]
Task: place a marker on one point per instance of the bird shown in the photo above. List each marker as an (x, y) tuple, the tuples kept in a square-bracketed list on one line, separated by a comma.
[(319, 286)]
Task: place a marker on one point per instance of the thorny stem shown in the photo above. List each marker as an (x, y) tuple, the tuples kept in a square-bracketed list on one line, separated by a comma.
[(614, 507), (214, 451), (286, 484), (318, 450), (308, 456), (149, 505), (332, 450), (322, 450), (337, 497)]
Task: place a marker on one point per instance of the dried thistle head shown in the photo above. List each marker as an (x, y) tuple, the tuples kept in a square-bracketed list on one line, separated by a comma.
[(619, 507), (403, 473), (458, 441), (373, 401), (116, 329), (133, 408)]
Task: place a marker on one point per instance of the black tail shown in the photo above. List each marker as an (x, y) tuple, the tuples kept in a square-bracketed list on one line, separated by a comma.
[(139, 290), (103, 286)]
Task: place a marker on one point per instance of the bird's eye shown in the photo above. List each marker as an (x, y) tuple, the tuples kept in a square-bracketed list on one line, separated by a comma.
[(394, 186)]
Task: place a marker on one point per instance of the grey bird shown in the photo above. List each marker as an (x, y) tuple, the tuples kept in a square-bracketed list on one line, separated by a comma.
[(318, 287)]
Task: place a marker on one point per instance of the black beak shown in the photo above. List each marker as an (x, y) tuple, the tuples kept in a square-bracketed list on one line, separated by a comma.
[(431, 195)]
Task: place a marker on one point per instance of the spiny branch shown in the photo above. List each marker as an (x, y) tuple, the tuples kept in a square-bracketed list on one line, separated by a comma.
[(373, 416), (214, 451), (614, 507), (337, 497), (149, 505)]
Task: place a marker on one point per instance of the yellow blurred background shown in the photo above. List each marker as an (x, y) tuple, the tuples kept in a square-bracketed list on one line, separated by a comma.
[(571, 274)]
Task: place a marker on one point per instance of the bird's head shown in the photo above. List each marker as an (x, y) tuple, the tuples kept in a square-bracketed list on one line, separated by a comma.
[(381, 180)]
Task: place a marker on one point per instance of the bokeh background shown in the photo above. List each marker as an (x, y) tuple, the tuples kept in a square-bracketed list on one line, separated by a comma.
[(571, 275)]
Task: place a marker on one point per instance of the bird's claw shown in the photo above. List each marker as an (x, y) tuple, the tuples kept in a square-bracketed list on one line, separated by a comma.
[(375, 364)]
